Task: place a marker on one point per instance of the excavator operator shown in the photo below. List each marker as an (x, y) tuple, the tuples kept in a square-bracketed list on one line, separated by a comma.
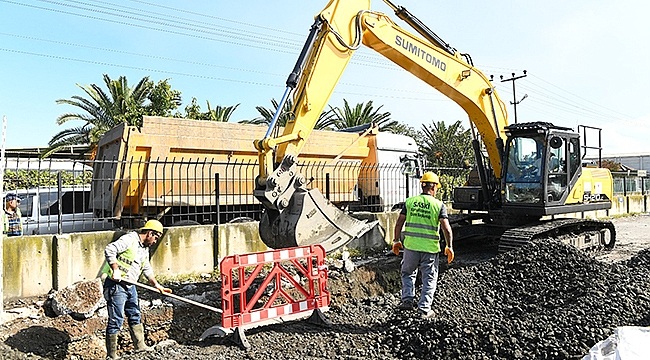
[(423, 214)]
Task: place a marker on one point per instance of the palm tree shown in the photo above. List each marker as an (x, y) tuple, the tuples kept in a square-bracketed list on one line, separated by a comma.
[(103, 111), (325, 119), (450, 148), (220, 113), (362, 114), (446, 146)]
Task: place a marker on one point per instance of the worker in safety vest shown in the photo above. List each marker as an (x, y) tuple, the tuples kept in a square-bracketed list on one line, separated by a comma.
[(127, 258), (423, 215)]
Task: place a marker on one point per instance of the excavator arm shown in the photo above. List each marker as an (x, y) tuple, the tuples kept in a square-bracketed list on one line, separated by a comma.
[(340, 29)]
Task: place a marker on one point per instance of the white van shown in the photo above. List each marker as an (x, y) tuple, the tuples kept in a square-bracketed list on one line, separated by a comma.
[(41, 212)]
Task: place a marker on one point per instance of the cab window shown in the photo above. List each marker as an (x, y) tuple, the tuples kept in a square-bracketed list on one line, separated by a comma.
[(523, 171)]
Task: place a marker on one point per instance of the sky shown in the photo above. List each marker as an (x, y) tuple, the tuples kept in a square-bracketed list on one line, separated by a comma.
[(585, 60)]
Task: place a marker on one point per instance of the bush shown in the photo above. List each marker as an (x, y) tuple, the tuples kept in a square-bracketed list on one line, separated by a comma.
[(26, 179)]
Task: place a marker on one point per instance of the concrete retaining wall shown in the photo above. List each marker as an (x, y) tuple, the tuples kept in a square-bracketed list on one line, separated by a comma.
[(33, 265)]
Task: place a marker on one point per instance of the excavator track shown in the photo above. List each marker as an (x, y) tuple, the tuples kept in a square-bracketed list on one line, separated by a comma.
[(586, 234)]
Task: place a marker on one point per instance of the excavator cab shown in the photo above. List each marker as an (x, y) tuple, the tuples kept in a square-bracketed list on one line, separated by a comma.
[(543, 173)]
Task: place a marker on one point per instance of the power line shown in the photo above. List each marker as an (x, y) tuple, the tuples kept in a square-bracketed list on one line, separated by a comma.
[(217, 18), (188, 24), (536, 97), (271, 46), (561, 102), (93, 62), (569, 104), (157, 57), (136, 67), (260, 41), (85, 16), (581, 98)]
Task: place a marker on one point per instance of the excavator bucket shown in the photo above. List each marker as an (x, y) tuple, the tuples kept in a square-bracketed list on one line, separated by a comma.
[(310, 219)]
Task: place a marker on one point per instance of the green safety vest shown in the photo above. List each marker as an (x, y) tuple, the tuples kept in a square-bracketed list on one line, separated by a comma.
[(421, 231), (124, 260)]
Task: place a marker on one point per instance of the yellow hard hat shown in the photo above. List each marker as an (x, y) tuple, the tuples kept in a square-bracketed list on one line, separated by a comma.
[(430, 177), (154, 225)]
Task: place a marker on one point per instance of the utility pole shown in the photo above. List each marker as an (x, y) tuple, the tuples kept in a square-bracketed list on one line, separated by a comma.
[(514, 95), (3, 139)]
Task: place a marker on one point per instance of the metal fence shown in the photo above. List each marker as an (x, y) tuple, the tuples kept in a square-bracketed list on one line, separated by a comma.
[(99, 194), (185, 192), (177, 191)]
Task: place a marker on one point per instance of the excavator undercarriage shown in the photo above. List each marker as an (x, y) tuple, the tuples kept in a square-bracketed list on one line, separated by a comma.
[(585, 234)]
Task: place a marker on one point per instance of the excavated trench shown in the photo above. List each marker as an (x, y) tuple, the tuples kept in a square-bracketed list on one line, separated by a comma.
[(544, 301)]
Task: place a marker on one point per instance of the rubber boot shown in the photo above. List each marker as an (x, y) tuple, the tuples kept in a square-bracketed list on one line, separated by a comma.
[(111, 346), (137, 335)]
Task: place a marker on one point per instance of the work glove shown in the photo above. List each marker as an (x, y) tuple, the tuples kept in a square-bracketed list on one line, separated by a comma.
[(163, 290), (396, 247), (117, 275), (450, 254)]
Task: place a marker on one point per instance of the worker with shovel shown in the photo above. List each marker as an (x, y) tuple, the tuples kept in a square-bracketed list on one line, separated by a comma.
[(127, 258)]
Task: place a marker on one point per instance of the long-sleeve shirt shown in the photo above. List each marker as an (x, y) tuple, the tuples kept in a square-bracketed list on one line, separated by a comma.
[(140, 263)]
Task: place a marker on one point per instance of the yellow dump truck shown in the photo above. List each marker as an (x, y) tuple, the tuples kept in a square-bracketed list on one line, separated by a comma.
[(169, 169)]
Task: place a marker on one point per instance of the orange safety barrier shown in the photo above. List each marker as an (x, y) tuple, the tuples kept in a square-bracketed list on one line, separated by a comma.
[(295, 283)]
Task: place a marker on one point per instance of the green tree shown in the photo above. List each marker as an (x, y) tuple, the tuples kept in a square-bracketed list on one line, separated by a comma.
[(102, 110), (611, 165), (162, 100), (325, 120), (362, 114), (220, 113), (447, 147)]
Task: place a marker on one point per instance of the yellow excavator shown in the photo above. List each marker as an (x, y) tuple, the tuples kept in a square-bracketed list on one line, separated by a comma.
[(524, 172)]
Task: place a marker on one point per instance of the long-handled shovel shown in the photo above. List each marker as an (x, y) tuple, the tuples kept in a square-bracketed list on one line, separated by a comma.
[(179, 298)]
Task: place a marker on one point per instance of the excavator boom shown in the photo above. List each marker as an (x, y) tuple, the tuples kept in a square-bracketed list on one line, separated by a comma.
[(340, 29)]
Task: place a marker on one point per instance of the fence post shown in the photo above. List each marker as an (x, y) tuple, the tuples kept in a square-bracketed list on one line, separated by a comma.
[(59, 221), (645, 207), (327, 186), (627, 200), (216, 200), (408, 186)]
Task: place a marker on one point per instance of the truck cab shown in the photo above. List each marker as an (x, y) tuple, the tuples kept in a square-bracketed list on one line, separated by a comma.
[(380, 186)]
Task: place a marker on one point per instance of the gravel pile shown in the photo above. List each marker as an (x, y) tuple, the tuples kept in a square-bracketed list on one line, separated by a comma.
[(545, 301)]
